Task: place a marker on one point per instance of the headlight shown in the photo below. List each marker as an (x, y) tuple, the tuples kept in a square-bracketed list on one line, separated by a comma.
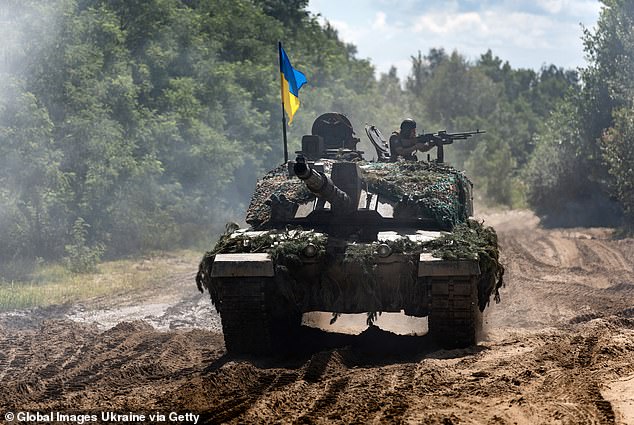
[(384, 250), (310, 250)]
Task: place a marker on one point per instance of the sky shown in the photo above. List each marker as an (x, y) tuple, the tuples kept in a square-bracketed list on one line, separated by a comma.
[(527, 34)]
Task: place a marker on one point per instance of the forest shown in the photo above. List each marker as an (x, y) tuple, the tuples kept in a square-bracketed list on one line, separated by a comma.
[(128, 126)]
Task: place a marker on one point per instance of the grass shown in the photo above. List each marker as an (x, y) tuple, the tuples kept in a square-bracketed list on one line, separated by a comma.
[(54, 284)]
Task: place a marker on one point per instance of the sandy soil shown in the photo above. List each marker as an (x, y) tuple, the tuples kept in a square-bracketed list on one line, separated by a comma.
[(558, 349)]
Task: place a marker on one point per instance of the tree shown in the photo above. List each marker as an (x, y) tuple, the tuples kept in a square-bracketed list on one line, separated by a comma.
[(560, 184), (599, 113), (491, 166), (418, 76), (291, 13), (618, 151), (609, 99), (456, 89), (33, 187)]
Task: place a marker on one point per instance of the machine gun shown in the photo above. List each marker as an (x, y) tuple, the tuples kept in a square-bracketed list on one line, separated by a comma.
[(443, 138), (448, 138)]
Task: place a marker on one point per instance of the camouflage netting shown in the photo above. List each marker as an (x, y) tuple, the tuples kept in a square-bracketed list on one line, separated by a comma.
[(276, 183), (470, 240), (436, 191)]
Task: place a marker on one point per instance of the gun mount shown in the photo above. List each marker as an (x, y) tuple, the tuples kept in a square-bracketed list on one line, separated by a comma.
[(323, 187)]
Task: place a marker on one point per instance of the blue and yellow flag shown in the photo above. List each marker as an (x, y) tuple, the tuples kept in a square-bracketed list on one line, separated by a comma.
[(292, 81)]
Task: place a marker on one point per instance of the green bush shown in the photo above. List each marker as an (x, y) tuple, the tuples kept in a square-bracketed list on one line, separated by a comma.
[(81, 258)]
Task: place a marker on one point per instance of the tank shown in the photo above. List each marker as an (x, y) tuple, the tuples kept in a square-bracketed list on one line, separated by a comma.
[(333, 232)]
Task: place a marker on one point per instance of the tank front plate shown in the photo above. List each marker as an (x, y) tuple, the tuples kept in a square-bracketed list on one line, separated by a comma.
[(242, 265), (429, 265)]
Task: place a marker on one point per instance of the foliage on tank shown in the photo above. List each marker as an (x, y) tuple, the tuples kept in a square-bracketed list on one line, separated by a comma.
[(433, 190), (469, 241), (285, 248), (275, 184)]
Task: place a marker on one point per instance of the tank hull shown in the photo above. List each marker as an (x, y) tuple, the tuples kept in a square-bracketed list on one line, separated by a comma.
[(261, 304)]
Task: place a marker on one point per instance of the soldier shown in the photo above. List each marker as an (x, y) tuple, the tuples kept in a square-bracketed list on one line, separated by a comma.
[(404, 143)]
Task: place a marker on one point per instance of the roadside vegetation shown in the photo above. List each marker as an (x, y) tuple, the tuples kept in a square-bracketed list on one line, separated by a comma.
[(56, 284), (133, 126)]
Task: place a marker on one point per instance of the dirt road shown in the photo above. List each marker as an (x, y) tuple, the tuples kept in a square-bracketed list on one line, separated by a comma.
[(558, 349)]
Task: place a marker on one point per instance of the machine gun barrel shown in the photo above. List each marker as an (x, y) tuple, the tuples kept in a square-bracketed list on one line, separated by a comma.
[(321, 185), (446, 138), (443, 138)]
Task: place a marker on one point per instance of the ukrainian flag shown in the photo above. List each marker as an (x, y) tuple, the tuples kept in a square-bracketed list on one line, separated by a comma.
[(292, 81)]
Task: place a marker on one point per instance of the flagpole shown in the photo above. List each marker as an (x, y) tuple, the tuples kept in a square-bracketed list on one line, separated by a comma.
[(279, 54)]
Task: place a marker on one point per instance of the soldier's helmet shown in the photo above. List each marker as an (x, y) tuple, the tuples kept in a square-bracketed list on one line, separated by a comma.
[(407, 126)]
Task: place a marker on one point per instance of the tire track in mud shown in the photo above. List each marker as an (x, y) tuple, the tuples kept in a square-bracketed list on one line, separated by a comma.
[(360, 394), (556, 277), (396, 399), (565, 251), (327, 402), (99, 366), (611, 258), (261, 384), (556, 376), (374, 395), (331, 386), (528, 250), (108, 366), (7, 355), (571, 383)]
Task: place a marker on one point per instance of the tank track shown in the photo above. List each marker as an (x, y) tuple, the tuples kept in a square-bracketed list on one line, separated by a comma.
[(455, 320), (253, 322)]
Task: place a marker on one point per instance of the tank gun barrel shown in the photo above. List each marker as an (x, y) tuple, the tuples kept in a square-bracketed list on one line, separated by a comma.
[(322, 186)]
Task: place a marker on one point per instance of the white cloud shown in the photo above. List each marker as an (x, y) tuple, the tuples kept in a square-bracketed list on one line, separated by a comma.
[(527, 34), (379, 21), (588, 9), (495, 28), (526, 31), (443, 23), (570, 8), (552, 6)]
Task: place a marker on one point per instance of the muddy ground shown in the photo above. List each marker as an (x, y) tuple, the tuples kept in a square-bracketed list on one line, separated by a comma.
[(558, 349)]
